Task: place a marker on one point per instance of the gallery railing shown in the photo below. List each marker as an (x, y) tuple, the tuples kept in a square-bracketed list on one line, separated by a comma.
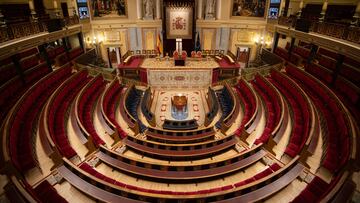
[(19, 30), (337, 30)]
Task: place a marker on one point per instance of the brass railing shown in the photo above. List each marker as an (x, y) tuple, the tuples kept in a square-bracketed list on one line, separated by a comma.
[(18, 30), (337, 30)]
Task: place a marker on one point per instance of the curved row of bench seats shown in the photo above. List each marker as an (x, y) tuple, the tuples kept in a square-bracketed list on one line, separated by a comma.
[(180, 125), (36, 72), (188, 173), (213, 107), (349, 68), (180, 137), (300, 108), (47, 193), (272, 102), (110, 102), (337, 137), (346, 90), (58, 109), (28, 62), (314, 191), (266, 183), (180, 152), (248, 98), (301, 51), (272, 168), (25, 118), (293, 58), (7, 71), (87, 104), (53, 52), (107, 179), (75, 52), (226, 103), (145, 107), (42, 193), (132, 102), (319, 72)]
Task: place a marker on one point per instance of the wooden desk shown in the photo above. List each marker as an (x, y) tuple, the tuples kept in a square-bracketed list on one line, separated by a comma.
[(189, 175), (269, 189), (181, 154), (90, 189)]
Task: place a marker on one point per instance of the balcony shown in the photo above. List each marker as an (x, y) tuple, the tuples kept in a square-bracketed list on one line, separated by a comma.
[(340, 31), (24, 29)]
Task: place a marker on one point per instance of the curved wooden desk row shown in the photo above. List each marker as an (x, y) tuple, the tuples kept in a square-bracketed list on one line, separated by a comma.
[(131, 121), (213, 106), (180, 147), (145, 103), (180, 125), (85, 104), (180, 137), (183, 174), (272, 108), (184, 134), (175, 166), (109, 104), (340, 130), (250, 102), (180, 153), (17, 129), (109, 190), (276, 100), (302, 112), (52, 124), (229, 118)]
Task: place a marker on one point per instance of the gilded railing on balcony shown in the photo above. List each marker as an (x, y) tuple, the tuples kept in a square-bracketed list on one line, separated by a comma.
[(341, 31), (18, 30), (72, 20), (287, 21)]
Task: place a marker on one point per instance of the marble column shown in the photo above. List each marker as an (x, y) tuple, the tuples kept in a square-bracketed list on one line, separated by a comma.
[(300, 9), (282, 8), (323, 11), (356, 16), (139, 9), (158, 9), (32, 10), (200, 9), (117, 55), (286, 8), (218, 9)]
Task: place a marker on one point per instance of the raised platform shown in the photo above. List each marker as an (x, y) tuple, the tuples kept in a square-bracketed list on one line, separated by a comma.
[(163, 63)]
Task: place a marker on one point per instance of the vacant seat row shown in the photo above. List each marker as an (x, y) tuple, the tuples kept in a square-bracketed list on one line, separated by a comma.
[(300, 108), (110, 102), (58, 112), (249, 101), (146, 107), (213, 106), (23, 120), (180, 125), (85, 110), (91, 182), (272, 103), (181, 173), (337, 138), (130, 102), (180, 151)]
